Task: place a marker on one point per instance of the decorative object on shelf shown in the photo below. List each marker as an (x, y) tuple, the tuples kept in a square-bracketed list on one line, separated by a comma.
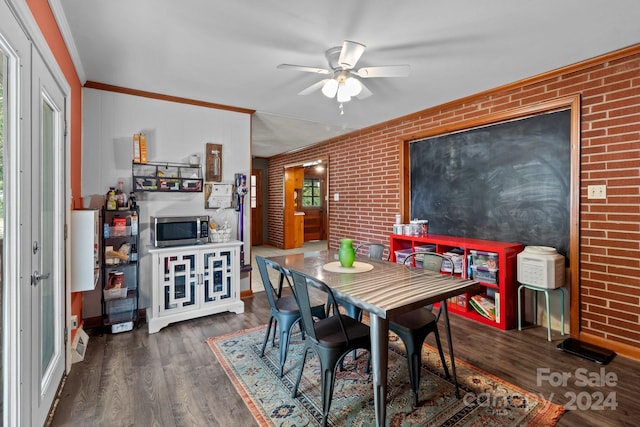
[(121, 197), (116, 280), (112, 203), (346, 253), (220, 234), (139, 148), (132, 201), (217, 196), (214, 162)]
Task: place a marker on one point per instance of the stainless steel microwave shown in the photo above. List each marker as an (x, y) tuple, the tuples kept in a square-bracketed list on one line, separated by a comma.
[(179, 230)]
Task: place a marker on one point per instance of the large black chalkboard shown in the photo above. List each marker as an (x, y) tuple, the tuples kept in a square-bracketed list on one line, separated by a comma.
[(506, 182)]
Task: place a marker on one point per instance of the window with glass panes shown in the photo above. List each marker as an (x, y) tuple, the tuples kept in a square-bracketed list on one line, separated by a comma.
[(311, 194)]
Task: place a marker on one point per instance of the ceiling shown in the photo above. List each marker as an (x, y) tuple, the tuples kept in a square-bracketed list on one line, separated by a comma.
[(226, 52)]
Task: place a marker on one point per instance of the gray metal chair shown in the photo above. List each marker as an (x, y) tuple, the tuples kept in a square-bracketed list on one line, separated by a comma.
[(284, 309), (414, 327), (376, 250), (330, 338)]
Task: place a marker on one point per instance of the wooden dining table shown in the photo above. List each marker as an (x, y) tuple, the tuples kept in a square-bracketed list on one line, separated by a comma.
[(384, 291)]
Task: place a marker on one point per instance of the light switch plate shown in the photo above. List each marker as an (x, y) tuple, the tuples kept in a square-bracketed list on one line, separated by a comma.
[(597, 192), (336, 197)]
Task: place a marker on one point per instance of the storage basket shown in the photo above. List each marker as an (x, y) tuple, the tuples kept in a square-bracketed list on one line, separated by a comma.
[(114, 293), (485, 274)]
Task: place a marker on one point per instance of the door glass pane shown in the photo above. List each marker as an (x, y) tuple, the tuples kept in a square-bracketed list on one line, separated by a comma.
[(3, 121), (47, 302), (253, 192)]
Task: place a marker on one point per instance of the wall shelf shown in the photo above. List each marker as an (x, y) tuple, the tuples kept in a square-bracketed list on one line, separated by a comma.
[(166, 177)]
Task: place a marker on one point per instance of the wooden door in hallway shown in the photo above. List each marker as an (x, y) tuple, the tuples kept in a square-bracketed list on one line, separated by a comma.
[(256, 207), (314, 203)]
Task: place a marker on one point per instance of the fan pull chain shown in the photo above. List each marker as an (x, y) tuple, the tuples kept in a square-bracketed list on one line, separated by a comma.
[(341, 109)]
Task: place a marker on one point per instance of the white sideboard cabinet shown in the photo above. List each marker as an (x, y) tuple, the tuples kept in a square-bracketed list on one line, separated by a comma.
[(194, 281)]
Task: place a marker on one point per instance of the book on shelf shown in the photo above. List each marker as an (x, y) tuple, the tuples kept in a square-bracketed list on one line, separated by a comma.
[(484, 305)]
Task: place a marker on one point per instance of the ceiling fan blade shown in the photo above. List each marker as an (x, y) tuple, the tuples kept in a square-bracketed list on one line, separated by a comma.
[(384, 71), (364, 93), (314, 87), (350, 54), (303, 68)]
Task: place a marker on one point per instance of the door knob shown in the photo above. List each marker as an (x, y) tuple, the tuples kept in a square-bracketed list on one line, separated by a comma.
[(37, 277)]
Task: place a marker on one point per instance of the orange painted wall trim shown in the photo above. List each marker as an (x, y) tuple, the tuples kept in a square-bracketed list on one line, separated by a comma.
[(49, 28)]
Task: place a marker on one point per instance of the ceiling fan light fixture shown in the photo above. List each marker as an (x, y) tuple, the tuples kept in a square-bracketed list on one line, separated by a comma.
[(353, 86), (343, 94), (330, 88)]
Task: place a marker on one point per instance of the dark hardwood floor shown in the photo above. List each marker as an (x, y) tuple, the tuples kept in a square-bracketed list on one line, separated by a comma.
[(172, 378)]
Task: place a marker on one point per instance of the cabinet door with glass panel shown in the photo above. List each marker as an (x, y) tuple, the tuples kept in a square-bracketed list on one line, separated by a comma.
[(179, 279), (218, 275)]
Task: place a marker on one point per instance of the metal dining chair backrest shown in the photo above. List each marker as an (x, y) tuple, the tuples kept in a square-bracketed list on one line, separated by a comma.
[(431, 261), (300, 284), (376, 250), (264, 265)]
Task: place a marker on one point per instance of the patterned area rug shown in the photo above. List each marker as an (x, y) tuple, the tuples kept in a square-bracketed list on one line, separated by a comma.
[(485, 400)]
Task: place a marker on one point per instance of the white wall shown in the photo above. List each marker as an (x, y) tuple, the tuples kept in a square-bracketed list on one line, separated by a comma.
[(174, 132)]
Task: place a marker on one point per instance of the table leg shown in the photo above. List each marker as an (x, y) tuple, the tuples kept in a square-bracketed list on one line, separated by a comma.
[(379, 359)]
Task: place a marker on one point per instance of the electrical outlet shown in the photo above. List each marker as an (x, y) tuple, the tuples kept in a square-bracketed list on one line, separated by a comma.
[(74, 321), (336, 197), (597, 192)]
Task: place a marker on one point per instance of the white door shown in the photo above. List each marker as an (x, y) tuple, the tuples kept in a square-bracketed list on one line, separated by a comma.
[(33, 183), (46, 240)]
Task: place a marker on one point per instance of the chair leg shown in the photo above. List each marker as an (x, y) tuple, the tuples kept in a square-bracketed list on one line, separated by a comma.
[(275, 328), (326, 389), (413, 345), (266, 336), (285, 336), (304, 359), (415, 363), (355, 313), (444, 363)]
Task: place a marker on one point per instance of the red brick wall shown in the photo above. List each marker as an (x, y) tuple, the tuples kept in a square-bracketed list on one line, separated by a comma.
[(364, 168)]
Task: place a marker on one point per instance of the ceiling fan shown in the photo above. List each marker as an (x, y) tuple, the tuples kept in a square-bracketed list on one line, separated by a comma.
[(343, 83)]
